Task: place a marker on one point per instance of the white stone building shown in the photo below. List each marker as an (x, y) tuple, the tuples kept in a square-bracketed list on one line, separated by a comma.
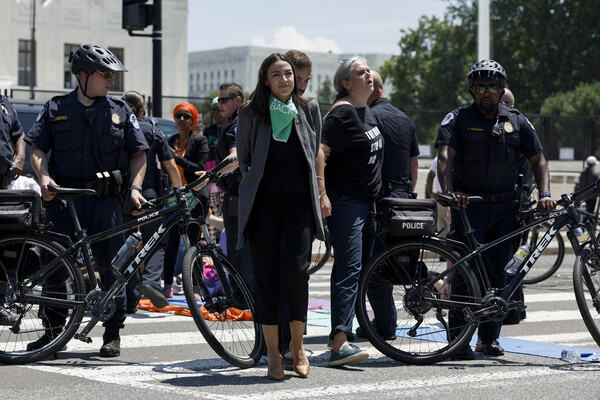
[(208, 69), (63, 25)]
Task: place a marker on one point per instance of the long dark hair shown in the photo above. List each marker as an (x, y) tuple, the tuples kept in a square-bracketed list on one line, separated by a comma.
[(258, 103)]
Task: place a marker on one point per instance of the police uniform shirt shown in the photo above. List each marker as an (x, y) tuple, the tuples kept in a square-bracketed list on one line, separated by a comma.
[(400, 138), (10, 131), (63, 128), (353, 167), (226, 141), (159, 149), (485, 163)]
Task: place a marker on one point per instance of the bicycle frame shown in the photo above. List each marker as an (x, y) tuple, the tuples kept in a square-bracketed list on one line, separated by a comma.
[(564, 217), (172, 214)]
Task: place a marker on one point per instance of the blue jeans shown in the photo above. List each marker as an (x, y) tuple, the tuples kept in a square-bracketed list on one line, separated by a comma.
[(351, 229)]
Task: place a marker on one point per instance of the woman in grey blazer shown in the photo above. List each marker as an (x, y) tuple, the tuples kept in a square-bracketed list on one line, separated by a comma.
[(277, 145)]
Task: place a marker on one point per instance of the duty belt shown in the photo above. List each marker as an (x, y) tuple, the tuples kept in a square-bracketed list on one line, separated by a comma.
[(396, 187), (76, 183)]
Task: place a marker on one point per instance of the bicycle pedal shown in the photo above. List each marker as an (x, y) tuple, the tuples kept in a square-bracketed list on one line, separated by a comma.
[(85, 339)]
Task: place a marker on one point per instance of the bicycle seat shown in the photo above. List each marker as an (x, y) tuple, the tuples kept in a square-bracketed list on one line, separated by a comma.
[(71, 193)]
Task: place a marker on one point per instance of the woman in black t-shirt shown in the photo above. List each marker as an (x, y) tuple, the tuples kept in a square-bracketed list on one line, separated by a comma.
[(277, 144), (354, 150)]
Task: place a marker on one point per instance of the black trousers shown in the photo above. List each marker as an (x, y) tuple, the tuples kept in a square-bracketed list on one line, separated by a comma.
[(275, 216)]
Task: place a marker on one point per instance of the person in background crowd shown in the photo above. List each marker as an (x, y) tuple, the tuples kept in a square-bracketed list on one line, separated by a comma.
[(12, 159), (212, 134), (87, 131), (231, 97), (587, 177), (484, 141), (431, 184), (353, 147), (303, 67), (159, 155), (278, 142), (190, 151)]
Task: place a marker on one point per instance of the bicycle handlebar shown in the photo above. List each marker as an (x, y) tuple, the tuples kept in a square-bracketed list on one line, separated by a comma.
[(447, 201), (581, 194), (213, 176)]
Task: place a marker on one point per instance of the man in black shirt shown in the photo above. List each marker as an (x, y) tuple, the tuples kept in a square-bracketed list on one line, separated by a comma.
[(400, 167)]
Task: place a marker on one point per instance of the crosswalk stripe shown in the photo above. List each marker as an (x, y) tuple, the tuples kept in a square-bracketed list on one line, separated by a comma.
[(150, 376)]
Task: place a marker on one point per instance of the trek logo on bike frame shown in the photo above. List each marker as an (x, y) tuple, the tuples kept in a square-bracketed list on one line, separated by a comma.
[(541, 245), (138, 259)]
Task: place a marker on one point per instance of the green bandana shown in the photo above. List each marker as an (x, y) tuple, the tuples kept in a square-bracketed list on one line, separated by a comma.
[(282, 116)]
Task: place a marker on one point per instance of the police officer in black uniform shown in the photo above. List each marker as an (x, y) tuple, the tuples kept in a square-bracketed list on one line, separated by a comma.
[(89, 132), (153, 186), (484, 141), (399, 173), (12, 159)]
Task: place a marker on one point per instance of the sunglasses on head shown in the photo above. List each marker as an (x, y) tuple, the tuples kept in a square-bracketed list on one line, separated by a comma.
[(479, 89), (182, 115), (105, 74)]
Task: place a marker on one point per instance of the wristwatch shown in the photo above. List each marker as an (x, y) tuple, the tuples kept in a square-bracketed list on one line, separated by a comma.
[(138, 188), (545, 194)]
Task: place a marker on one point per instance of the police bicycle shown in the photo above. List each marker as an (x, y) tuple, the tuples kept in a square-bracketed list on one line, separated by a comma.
[(440, 298), (39, 275)]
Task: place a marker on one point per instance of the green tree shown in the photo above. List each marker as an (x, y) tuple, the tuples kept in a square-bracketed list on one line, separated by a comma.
[(326, 94), (537, 41), (582, 101)]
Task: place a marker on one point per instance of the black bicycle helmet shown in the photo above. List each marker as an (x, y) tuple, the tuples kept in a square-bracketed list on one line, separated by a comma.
[(486, 71), (90, 57)]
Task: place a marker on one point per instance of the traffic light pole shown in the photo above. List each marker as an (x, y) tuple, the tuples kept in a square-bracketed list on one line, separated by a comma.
[(156, 56), (157, 60)]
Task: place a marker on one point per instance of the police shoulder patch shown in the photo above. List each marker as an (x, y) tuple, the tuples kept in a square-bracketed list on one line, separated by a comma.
[(134, 121), (41, 114), (449, 117)]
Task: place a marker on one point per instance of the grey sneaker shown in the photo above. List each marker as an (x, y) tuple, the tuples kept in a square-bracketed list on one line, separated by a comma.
[(350, 354), (155, 296)]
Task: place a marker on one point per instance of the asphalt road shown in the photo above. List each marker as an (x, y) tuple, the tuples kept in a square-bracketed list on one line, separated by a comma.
[(165, 357)]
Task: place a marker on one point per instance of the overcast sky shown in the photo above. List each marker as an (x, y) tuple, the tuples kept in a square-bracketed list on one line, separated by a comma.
[(348, 26)]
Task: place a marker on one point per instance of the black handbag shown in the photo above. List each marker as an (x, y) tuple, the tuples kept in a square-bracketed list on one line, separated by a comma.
[(19, 209), (407, 217)]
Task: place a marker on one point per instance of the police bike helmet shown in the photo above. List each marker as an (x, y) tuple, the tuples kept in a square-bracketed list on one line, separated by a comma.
[(89, 58), (486, 71)]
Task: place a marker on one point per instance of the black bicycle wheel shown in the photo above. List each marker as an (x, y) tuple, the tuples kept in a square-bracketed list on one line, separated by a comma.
[(49, 307), (321, 252), (410, 325), (586, 282), (550, 261), (225, 321)]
